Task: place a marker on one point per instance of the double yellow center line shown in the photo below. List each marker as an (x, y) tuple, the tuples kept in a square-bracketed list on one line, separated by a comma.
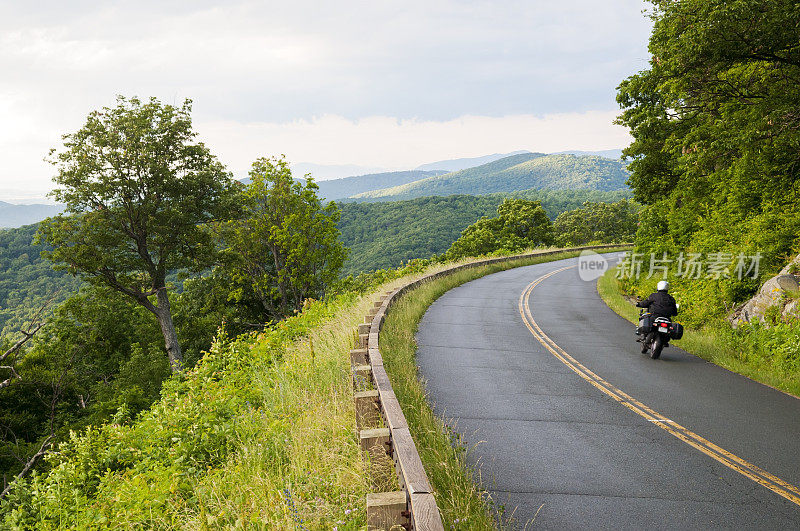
[(773, 483)]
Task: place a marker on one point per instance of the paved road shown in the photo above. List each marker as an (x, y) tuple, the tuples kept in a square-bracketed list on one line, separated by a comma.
[(561, 453)]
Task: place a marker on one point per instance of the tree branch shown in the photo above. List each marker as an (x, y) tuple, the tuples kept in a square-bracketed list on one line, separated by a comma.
[(31, 462), (27, 335), (138, 296)]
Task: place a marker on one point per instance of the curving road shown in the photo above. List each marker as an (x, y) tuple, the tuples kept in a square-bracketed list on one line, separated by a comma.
[(572, 428)]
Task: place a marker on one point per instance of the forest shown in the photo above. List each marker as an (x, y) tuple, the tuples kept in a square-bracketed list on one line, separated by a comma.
[(27, 281)]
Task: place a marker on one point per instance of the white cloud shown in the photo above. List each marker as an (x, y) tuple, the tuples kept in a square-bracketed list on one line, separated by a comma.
[(402, 144), (318, 79)]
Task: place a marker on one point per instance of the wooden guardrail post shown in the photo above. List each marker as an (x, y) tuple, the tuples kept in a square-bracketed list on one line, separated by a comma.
[(358, 356), (386, 509), (371, 438), (362, 340), (367, 408)]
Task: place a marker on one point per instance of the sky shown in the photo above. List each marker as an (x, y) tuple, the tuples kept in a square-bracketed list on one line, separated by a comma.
[(376, 84)]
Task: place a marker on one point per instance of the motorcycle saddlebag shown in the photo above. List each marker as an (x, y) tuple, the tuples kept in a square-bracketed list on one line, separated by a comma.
[(645, 324), (676, 331)]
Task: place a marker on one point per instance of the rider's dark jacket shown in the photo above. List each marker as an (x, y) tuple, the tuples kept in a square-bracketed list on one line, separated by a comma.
[(660, 304)]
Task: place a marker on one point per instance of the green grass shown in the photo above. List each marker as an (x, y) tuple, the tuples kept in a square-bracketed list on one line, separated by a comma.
[(464, 504), (259, 435), (769, 355)]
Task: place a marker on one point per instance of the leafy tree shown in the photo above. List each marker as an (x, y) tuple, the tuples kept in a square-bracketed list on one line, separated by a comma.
[(286, 247), (597, 222), (716, 151), (138, 189), (520, 224)]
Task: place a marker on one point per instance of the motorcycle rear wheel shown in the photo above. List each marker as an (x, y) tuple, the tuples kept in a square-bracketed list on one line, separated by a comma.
[(655, 347)]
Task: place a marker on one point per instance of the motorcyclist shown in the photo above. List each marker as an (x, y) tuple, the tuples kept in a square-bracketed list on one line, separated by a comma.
[(659, 304)]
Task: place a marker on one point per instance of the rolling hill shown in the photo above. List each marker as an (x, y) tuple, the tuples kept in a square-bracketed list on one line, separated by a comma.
[(517, 172)]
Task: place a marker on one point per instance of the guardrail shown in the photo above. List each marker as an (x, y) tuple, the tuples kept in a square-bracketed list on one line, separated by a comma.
[(414, 506)]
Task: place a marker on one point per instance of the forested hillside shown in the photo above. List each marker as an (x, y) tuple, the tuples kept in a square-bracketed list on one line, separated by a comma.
[(386, 234), (518, 172), (382, 235), (27, 281)]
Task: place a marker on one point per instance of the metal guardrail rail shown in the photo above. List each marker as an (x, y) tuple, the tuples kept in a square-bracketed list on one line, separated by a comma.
[(414, 506)]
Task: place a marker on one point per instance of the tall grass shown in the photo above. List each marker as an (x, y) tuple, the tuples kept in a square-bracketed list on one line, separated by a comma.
[(767, 354), (259, 435)]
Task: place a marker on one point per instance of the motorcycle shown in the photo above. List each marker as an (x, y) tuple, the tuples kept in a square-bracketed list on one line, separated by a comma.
[(655, 333)]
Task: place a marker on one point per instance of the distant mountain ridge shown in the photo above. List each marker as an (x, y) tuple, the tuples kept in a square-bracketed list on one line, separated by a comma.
[(361, 187), (12, 216), (462, 164), (510, 174), (350, 186), (607, 153), (323, 172)]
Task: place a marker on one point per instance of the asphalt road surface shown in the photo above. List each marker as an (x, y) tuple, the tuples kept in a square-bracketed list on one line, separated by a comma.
[(576, 429)]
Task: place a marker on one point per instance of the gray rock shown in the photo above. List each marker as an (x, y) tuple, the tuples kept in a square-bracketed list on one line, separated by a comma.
[(792, 309), (780, 290), (792, 268)]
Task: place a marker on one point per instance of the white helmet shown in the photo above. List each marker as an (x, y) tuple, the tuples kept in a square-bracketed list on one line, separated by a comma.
[(663, 285)]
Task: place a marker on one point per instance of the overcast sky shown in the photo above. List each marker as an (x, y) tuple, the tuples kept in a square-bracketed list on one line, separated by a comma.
[(373, 83)]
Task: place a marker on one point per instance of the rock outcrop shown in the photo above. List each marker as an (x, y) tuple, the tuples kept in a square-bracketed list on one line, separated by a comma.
[(780, 291)]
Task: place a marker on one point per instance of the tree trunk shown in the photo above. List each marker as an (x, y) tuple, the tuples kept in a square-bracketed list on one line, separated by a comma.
[(164, 315)]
